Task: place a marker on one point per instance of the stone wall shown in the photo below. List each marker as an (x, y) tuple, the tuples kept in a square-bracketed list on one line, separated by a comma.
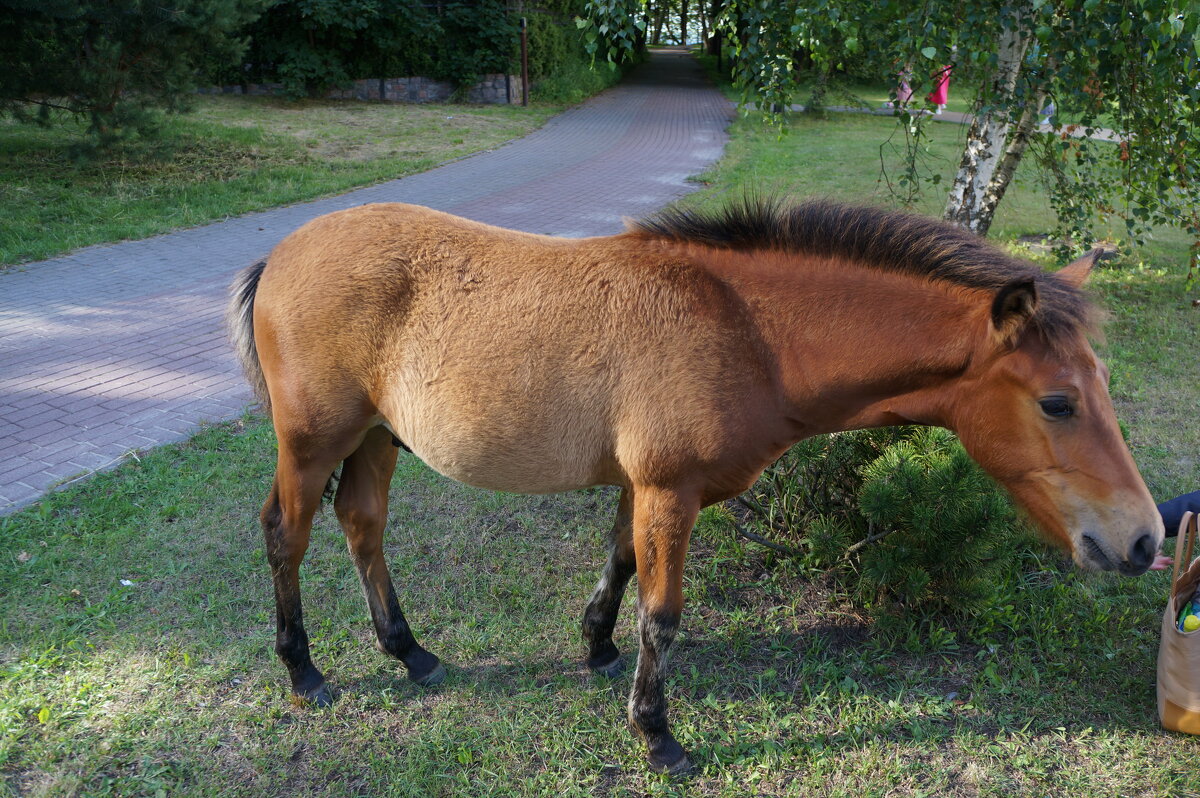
[(495, 89)]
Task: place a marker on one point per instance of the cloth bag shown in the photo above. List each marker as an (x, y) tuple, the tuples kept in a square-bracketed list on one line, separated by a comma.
[(1179, 652)]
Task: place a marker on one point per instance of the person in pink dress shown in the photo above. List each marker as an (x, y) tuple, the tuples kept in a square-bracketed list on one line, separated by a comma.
[(904, 92), (941, 88)]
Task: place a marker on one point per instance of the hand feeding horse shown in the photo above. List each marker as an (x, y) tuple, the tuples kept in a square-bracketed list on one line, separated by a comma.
[(676, 360)]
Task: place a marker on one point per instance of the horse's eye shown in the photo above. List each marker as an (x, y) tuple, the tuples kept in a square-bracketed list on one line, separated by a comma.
[(1056, 407)]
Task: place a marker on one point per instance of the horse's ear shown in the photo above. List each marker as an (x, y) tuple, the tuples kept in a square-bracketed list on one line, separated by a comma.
[(1076, 274), (1012, 309)]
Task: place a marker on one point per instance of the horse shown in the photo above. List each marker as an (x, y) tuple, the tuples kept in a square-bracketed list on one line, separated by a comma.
[(676, 360)]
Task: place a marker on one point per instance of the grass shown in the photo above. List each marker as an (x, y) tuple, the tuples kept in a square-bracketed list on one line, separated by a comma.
[(229, 156), (779, 686)]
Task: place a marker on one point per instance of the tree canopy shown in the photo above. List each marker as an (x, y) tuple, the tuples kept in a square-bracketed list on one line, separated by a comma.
[(1130, 68), (112, 59)]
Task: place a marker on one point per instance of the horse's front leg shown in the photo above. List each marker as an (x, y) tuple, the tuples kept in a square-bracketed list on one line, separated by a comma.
[(662, 525), (601, 614)]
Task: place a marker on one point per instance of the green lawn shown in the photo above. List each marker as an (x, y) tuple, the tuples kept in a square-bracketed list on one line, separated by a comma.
[(229, 156), (779, 685)]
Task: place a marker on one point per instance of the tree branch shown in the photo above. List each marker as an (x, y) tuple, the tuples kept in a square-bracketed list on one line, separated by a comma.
[(770, 544), (867, 541)]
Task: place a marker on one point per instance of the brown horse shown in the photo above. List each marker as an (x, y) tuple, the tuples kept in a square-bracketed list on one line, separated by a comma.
[(676, 360)]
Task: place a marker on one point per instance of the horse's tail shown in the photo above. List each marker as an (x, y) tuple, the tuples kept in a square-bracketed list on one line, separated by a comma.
[(239, 317)]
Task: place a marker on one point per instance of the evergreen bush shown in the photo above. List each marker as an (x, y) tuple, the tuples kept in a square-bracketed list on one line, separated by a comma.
[(113, 62), (903, 514)]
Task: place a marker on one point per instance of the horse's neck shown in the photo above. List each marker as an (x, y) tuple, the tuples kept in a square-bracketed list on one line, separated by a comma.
[(859, 347)]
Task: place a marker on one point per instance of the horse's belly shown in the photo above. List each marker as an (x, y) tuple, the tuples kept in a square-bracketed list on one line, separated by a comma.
[(504, 450), (511, 476)]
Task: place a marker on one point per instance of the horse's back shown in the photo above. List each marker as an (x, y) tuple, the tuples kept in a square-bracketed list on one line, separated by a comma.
[(503, 359)]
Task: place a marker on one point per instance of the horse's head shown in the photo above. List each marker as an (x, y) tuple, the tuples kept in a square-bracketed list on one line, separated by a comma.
[(1033, 409)]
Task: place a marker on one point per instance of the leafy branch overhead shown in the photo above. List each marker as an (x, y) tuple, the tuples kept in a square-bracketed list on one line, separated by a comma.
[(1119, 79), (612, 28)]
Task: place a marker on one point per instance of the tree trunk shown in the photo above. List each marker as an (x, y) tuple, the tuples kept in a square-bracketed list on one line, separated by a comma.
[(1008, 164), (660, 14), (816, 100), (683, 9), (969, 204)]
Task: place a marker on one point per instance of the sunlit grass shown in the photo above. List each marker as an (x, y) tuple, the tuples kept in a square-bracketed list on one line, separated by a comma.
[(229, 156)]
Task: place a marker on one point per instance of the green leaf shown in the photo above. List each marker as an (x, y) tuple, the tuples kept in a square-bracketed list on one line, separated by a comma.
[(929, 52)]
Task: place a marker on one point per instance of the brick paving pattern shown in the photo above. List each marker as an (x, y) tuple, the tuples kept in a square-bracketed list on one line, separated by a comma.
[(116, 348)]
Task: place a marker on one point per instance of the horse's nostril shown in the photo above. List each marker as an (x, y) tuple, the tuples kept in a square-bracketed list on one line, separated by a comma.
[(1141, 554)]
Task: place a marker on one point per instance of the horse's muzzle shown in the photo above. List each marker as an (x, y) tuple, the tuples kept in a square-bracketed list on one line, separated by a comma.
[(1136, 562)]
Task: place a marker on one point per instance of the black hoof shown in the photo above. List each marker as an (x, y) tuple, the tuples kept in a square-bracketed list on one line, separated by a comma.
[(610, 670), (679, 766), (431, 678), (318, 696), (667, 756)]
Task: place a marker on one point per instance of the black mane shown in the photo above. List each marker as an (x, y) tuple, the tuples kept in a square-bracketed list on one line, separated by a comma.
[(891, 240)]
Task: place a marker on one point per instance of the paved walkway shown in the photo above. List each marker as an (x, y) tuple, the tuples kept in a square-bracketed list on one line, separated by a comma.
[(116, 348)]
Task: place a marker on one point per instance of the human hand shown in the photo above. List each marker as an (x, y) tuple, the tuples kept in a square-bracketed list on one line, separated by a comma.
[(1161, 562)]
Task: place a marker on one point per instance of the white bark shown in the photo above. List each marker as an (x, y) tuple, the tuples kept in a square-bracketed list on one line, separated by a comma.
[(968, 204)]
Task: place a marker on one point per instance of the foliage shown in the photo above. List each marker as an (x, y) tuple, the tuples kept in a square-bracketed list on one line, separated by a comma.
[(560, 68), (112, 61), (612, 28), (1130, 67), (903, 514), (312, 45), (574, 80), (767, 38)]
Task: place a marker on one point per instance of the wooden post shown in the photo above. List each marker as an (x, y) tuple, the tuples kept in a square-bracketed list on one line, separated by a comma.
[(524, 63)]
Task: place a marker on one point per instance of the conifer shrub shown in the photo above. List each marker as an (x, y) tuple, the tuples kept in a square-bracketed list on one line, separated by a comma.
[(903, 515)]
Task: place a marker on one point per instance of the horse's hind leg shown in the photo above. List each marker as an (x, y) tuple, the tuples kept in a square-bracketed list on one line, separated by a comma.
[(287, 522), (601, 614), (361, 505)]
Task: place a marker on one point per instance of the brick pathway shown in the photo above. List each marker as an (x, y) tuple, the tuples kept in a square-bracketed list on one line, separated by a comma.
[(120, 347)]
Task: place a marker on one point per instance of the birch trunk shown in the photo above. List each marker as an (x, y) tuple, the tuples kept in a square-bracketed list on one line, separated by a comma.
[(987, 139), (1008, 165)]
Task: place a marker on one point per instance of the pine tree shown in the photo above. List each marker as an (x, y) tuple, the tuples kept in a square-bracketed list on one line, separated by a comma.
[(903, 513), (112, 60)]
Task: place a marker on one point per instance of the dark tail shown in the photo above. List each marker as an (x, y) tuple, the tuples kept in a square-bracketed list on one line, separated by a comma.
[(239, 317)]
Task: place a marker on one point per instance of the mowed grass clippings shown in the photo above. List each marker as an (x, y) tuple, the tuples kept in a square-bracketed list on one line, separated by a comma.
[(231, 155), (778, 685)]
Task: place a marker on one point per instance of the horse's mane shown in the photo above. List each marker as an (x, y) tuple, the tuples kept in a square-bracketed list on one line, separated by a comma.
[(892, 240)]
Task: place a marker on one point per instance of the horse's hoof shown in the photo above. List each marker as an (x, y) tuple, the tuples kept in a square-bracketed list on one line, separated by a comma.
[(609, 671), (666, 755), (679, 767), (318, 696), (431, 679)]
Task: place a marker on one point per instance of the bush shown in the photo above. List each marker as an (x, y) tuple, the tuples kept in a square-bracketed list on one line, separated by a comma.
[(575, 80), (114, 62), (314, 45), (903, 514)]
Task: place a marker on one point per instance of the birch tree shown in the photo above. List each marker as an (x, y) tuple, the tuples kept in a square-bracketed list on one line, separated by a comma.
[(979, 183), (1128, 68)]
